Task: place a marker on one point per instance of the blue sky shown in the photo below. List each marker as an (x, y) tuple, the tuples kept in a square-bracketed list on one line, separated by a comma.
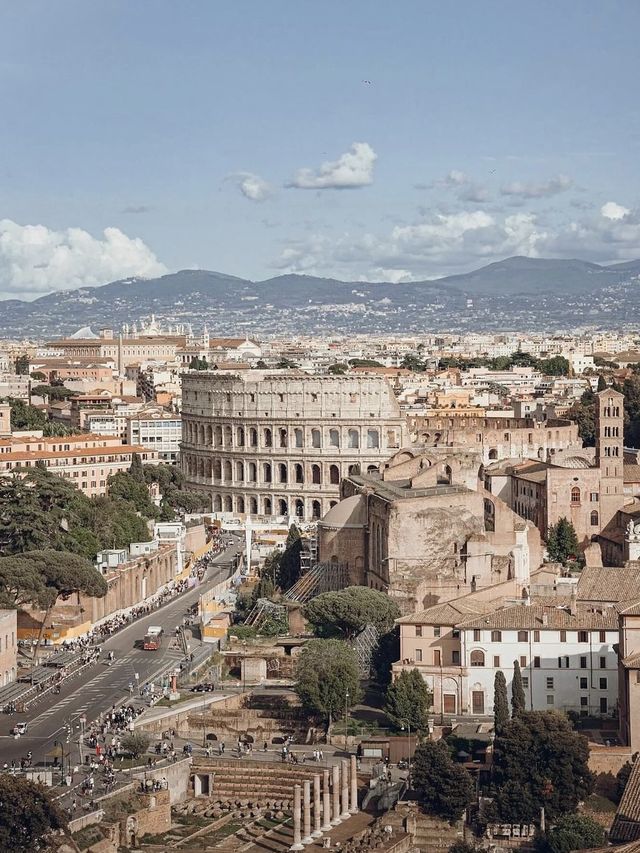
[(139, 136)]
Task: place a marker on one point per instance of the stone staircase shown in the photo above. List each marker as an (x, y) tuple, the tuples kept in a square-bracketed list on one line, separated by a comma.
[(429, 834)]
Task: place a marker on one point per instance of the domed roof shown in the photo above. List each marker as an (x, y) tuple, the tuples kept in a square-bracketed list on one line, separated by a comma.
[(351, 512), (574, 462)]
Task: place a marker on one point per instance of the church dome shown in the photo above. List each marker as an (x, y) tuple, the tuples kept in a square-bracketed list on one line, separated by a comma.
[(573, 462), (351, 512)]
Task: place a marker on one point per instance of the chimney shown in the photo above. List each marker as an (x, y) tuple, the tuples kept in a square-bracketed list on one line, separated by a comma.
[(573, 602)]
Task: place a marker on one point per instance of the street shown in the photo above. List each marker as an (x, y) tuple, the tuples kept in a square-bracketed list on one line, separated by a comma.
[(99, 687)]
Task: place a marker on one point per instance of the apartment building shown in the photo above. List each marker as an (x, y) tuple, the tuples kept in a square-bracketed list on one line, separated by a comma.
[(8, 646), (157, 430), (566, 652), (86, 460)]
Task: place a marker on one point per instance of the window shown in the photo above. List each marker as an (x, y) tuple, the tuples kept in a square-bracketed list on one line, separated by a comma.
[(584, 701), (418, 655), (315, 438), (575, 495), (563, 636), (496, 636), (456, 633), (602, 636), (583, 637), (536, 662), (525, 682), (455, 657), (583, 663), (373, 438), (523, 636), (593, 497), (536, 636), (437, 660), (477, 658), (584, 683), (496, 661), (418, 630), (476, 635), (603, 684), (353, 438), (550, 699), (334, 438), (523, 661), (603, 662), (594, 519), (603, 706), (436, 632), (549, 683)]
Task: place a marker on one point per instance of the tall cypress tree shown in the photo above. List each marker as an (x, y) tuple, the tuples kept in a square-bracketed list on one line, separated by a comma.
[(602, 383), (518, 704), (500, 702)]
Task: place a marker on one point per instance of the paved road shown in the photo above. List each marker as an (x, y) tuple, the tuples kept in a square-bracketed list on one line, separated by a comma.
[(100, 686)]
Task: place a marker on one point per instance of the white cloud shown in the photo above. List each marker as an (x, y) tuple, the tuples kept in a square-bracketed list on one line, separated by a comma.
[(554, 186), (351, 170), (446, 243), (612, 210), (464, 187), (252, 186), (36, 260)]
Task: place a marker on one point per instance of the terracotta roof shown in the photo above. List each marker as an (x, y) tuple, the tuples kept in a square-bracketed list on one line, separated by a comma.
[(448, 612), (113, 450), (626, 824), (631, 473), (597, 583), (532, 617)]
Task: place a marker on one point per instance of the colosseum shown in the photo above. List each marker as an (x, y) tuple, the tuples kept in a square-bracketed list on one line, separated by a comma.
[(279, 442)]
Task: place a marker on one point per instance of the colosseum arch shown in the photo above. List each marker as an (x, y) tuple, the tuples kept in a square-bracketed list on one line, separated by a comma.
[(217, 503), (299, 473), (228, 436), (253, 437), (266, 472), (217, 436), (240, 472), (316, 475), (268, 506), (282, 472), (253, 506), (316, 509), (227, 471), (252, 472), (334, 475), (228, 503), (240, 436), (283, 508), (209, 441), (217, 470), (240, 504), (299, 508)]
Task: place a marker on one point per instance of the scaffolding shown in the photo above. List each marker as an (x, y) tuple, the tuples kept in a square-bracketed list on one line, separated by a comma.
[(323, 577), (264, 609), (364, 645)]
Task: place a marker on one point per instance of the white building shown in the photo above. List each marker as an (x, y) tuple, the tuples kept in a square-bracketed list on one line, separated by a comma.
[(158, 430), (566, 655)]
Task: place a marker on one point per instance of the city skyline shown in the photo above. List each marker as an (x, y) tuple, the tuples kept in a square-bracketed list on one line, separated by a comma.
[(421, 144)]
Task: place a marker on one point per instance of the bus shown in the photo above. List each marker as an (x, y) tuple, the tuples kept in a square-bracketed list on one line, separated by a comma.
[(153, 637)]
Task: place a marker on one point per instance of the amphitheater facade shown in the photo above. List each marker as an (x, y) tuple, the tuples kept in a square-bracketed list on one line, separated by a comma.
[(278, 443)]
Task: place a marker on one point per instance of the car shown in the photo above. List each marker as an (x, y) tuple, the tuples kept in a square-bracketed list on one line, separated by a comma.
[(20, 729)]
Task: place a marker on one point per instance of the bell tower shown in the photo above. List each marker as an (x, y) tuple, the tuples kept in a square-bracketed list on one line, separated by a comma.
[(610, 453)]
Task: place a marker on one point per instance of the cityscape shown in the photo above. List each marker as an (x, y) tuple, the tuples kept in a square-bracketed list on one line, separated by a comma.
[(340, 549)]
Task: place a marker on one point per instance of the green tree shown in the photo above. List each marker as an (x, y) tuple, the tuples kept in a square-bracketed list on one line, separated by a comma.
[(556, 366), (347, 612), (288, 570), (602, 383), (198, 364), (53, 392), (28, 816), (518, 703), (407, 701), (38, 376), (24, 416), (286, 364), (132, 489), (445, 788), (326, 671), (364, 362), (622, 777), (413, 362), (538, 760), (631, 391), (500, 701), (583, 413), (571, 832), (337, 369), (386, 653), (22, 365), (562, 542), (136, 743), (136, 470)]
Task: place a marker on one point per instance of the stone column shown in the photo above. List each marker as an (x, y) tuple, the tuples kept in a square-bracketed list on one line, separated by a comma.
[(317, 830), (345, 790), (306, 802), (335, 784), (354, 785), (297, 815), (326, 802)]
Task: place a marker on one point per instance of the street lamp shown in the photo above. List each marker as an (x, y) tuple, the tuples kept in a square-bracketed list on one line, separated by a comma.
[(408, 725)]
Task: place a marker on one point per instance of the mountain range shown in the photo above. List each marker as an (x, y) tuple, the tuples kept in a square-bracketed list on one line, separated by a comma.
[(516, 293)]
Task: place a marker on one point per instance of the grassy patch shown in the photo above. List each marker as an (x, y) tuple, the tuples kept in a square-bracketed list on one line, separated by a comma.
[(87, 836)]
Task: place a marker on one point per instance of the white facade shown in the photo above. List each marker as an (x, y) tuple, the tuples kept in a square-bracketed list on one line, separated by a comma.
[(572, 668), (161, 432)]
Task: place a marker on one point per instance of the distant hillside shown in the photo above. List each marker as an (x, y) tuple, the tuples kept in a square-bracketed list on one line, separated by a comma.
[(524, 293)]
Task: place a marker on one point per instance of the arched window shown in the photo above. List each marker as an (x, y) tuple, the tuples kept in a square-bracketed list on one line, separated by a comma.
[(299, 508), (217, 437), (315, 509), (283, 509), (268, 440), (228, 505), (477, 658), (266, 474), (334, 475), (217, 469), (353, 439), (594, 518), (253, 506), (228, 436), (575, 495), (240, 436), (334, 437), (240, 472), (373, 439), (372, 469), (240, 505), (217, 503), (283, 437), (227, 471), (282, 472), (493, 453), (267, 506), (253, 437), (299, 473), (298, 437), (315, 438), (315, 474), (252, 474)]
